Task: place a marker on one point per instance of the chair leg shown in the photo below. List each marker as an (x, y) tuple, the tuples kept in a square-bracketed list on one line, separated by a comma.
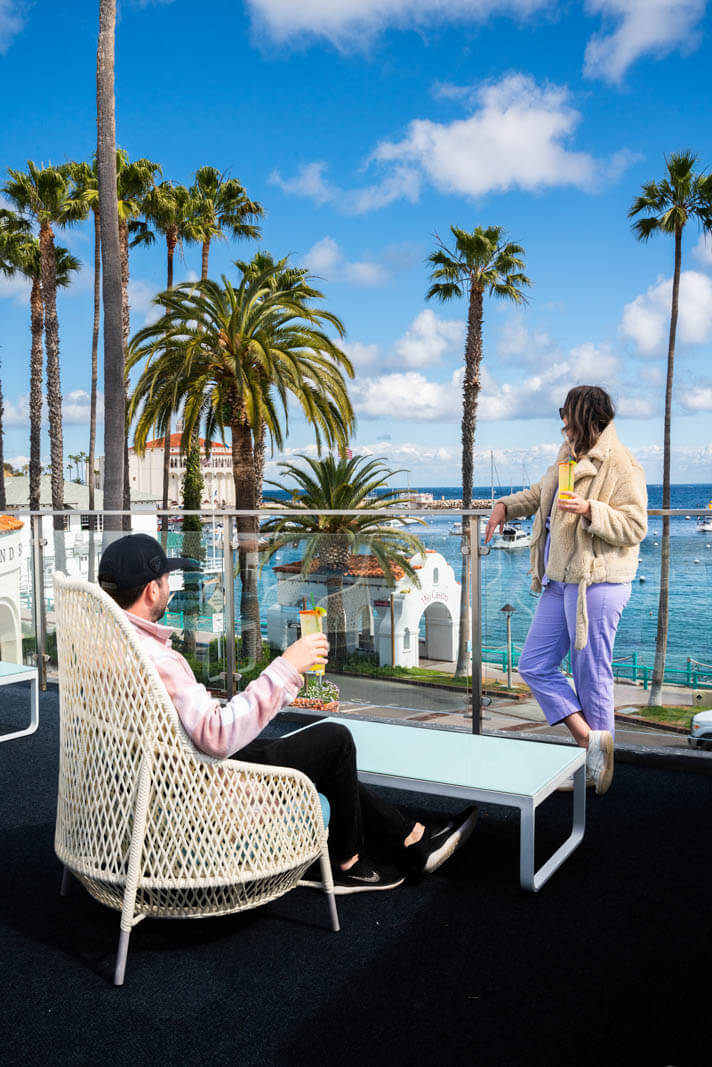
[(66, 885), (328, 881), (121, 955)]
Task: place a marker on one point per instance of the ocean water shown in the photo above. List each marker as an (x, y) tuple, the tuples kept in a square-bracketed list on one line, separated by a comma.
[(505, 580)]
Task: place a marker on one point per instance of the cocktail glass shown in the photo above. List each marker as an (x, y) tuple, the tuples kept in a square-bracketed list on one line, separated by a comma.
[(312, 621), (566, 478)]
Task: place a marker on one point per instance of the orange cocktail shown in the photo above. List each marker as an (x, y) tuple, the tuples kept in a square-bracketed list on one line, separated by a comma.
[(312, 623)]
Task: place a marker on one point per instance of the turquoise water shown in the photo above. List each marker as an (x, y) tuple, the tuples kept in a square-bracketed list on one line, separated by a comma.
[(505, 580)]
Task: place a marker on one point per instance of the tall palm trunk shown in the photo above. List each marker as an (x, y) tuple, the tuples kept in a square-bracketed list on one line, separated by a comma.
[(48, 274), (36, 323), (91, 460), (114, 377), (260, 446), (125, 329), (656, 686), (243, 468), (171, 241), (471, 392), (205, 256)]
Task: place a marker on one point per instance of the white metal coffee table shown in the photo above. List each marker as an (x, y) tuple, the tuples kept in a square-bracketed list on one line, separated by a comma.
[(495, 770), (18, 672)]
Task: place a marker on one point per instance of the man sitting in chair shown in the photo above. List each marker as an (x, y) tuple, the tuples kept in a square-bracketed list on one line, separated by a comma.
[(134, 572)]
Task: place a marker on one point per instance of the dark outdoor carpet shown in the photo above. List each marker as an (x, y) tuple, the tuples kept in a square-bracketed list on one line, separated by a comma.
[(608, 964)]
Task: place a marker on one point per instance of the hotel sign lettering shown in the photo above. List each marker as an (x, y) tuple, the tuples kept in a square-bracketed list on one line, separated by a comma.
[(429, 598)]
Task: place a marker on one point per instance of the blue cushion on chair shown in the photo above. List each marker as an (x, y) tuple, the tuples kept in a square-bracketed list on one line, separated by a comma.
[(325, 808)]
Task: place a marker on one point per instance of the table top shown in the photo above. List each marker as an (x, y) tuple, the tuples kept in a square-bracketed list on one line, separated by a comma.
[(503, 765), (15, 672)]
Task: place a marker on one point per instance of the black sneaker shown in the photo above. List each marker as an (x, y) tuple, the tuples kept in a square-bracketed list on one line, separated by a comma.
[(366, 876), (440, 841)]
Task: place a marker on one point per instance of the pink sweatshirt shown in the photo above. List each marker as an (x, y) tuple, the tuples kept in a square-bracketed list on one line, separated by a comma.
[(214, 729)]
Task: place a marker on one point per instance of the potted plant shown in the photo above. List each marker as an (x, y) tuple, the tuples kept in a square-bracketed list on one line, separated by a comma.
[(318, 695)]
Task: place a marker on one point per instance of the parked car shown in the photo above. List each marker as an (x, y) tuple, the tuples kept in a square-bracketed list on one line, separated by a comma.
[(700, 735)]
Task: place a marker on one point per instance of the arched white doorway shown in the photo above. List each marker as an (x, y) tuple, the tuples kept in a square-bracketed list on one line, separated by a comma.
[(10, 642), (436, 633)]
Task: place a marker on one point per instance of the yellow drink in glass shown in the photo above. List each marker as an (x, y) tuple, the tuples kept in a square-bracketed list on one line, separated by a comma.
[(566, 478), (312, 623)]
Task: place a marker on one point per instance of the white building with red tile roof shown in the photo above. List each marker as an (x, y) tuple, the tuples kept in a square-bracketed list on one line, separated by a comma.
[(146, 472), (425, 617)]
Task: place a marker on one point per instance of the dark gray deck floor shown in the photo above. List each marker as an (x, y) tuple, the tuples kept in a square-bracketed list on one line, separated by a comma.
[(610, 963)]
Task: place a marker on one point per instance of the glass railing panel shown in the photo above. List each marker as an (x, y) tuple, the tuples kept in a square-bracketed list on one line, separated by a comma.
[(393, 642)]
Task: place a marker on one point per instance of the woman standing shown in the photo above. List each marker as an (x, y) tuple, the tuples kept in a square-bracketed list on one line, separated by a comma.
[(584, 556)]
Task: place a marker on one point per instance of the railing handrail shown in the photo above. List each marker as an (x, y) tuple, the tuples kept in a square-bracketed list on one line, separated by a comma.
[(387, 512)]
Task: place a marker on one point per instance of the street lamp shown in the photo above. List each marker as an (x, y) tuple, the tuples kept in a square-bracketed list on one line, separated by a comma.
[(509, 611)]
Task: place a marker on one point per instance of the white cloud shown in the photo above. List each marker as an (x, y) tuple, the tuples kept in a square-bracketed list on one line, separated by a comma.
[(327, 259), (409, 395), (16, 413), (76, 407), (646, 320), (11, 23), (703, 250), (17, 288), (354, 22), (428, 340), (141, 304), (518, 344), (361, 355), (696, 398), (516, 136), (644, 26), (18, 462)]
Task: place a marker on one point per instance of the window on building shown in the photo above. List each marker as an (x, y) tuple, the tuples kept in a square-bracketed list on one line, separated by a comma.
[(436, 575), (406, 640)]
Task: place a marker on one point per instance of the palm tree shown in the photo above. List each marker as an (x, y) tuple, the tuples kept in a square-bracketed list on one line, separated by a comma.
[(44, 194), (221, 208), (168, 208), (667, 206), (86, 187), (481, 262), (13, 234), (20, 253), (114, 373), (231, 357), (134, 181), (340, 484), (287, 279)]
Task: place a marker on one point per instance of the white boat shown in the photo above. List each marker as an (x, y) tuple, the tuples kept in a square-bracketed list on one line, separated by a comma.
[(704, 524), (512, 536)]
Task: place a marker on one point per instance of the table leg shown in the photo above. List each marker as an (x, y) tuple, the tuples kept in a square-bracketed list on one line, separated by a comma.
[(528, 877), (34, 712)]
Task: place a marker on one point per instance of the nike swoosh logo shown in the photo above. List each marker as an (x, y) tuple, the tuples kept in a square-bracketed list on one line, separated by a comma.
[(373, 877)]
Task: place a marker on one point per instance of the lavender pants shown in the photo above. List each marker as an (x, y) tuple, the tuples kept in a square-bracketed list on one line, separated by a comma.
[(552, 634)]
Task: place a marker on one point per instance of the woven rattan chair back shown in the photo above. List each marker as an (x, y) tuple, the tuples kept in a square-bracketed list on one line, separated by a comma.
[(147, 823)]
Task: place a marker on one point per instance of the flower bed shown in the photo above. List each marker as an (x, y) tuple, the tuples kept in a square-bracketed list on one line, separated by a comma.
[(316, 705)]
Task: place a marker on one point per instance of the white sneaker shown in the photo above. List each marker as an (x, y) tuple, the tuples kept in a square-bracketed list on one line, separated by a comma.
[(599, 760), (567, 786)]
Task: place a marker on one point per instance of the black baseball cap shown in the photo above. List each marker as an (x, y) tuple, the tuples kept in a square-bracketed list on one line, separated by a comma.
[(138, 559)]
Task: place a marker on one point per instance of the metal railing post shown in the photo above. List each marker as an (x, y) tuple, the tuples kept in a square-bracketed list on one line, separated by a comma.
[(475, 621), (38, 543), (229, 606)]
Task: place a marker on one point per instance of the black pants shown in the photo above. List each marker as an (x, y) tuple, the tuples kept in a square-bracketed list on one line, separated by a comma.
[(326, 753)]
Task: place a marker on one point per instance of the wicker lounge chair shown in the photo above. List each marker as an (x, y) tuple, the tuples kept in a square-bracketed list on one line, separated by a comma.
[(147, 823)]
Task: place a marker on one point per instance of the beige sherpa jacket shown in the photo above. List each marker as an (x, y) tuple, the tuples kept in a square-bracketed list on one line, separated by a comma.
[(604, 549)]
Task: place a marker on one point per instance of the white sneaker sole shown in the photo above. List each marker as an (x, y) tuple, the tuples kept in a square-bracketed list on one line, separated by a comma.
[(454, 841), (603, 783)]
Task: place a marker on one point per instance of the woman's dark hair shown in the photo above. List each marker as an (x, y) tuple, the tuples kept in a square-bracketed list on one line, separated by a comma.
[(588, 410)]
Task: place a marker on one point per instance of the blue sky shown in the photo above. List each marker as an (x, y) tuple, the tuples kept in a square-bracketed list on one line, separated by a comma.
[(368, 127)]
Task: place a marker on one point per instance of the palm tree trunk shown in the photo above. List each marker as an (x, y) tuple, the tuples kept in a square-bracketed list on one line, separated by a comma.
[(336, 619), (259, 464), (36, 323), (114, 376), (656, 686), (48, 275), (243, 468), (204, 265), (170, 252), (91, 458), (471, 392), (125, 330)]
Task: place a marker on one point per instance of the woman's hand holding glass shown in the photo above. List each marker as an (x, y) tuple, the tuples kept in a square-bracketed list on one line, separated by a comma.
[(576, 504)]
